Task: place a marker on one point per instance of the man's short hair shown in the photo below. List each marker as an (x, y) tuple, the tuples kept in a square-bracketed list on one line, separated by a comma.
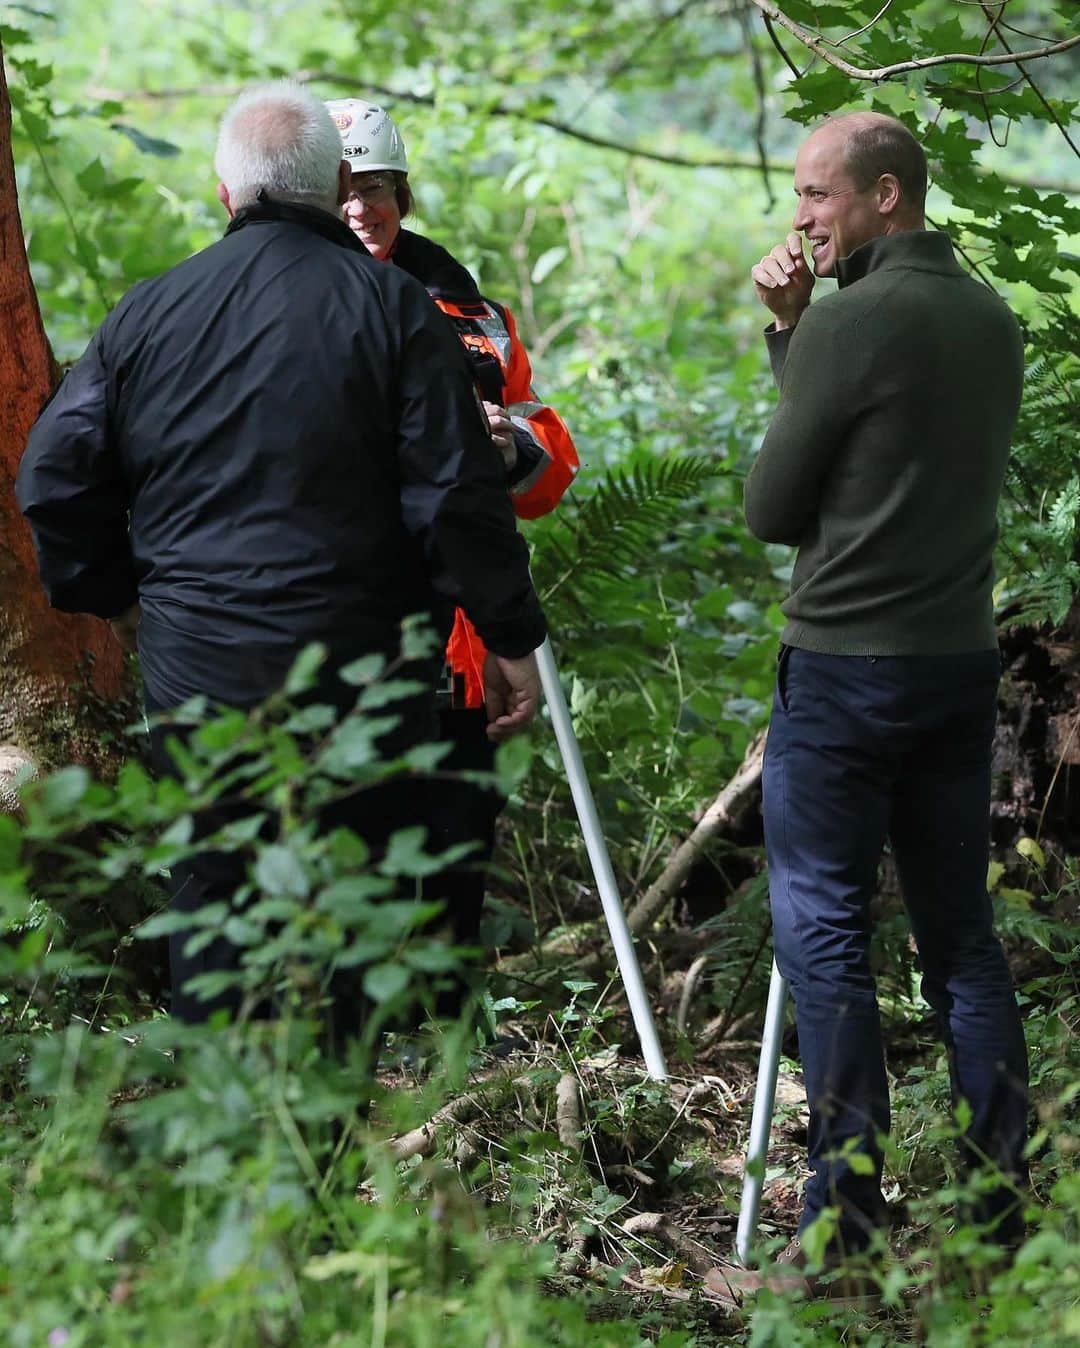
[(885, 145), (279, 138)]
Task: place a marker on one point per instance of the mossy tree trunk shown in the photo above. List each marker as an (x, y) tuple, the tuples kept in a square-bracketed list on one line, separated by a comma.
[(53, 667)]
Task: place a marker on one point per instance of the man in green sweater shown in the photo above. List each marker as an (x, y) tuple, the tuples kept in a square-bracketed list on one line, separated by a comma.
[(883, 466)]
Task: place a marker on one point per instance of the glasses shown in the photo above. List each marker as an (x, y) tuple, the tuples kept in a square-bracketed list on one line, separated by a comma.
[(373, 192)]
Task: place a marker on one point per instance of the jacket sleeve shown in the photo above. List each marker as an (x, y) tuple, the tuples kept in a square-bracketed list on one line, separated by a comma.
[(547, 459), (71, 488), (453, 487), (816, 367)]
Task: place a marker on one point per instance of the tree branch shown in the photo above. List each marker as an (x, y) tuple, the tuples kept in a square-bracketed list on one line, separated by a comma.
[(762, 104), (730, 162), (995, 24), (753, 165), (820, 47), (780, 48)]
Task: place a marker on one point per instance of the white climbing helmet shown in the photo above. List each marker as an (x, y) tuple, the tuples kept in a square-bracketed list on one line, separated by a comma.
[(370, 140)]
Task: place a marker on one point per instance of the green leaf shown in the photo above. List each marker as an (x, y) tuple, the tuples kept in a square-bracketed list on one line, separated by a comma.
[(386, 694), (278, 871), (546, 263), (1030, 850), (62, 791), (10, 843), (383, 982), (301, 677), (363, 671), (405, 854), (163, 149)]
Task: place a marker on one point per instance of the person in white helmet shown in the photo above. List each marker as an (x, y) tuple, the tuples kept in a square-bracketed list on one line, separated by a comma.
[(536, 446)]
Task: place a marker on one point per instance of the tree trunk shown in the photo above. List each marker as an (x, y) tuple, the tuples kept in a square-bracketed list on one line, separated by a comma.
[(56, 671)]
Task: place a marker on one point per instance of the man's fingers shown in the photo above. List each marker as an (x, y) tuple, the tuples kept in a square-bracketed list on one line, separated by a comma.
[(795, 245), (502, 727), (770, 272)]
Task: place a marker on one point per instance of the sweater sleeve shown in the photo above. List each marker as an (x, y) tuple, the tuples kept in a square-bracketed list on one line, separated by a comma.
[(816, 367), (453, 489), (71, 489)]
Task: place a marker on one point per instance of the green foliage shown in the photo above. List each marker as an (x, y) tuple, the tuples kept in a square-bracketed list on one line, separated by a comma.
[(152, 1199)]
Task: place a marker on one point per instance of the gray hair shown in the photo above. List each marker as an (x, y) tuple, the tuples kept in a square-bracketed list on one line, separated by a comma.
[(279, 138)]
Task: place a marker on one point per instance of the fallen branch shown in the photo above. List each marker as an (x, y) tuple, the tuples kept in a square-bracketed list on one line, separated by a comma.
[(568, 1112), (421, 1141), (720, 814), (692, 1253)]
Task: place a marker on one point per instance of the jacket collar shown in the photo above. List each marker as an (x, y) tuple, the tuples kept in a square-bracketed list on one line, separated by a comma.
[(438, 271), (917, 249), (267, 211)]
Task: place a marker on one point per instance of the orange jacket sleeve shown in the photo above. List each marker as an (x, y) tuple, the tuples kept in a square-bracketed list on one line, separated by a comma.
[(542, 488)]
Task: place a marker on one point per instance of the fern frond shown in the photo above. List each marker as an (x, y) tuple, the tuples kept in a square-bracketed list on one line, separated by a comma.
[(612, 531)]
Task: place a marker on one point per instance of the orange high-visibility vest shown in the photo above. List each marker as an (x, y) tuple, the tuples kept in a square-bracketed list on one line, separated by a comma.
[(503, 375)]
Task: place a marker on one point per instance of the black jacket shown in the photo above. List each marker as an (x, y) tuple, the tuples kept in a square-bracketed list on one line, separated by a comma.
[(275, 442)]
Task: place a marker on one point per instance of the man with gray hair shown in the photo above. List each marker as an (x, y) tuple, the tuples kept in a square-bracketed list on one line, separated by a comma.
[(883, 465), (274, 443)]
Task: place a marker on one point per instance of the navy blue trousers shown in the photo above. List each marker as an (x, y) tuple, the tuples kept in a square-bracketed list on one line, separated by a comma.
[(862, 750)]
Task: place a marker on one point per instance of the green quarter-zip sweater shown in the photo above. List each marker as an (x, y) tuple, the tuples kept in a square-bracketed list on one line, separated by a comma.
[(886, 456)]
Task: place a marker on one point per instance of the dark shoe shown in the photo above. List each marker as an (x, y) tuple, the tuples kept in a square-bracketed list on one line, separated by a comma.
[(789, 1276)]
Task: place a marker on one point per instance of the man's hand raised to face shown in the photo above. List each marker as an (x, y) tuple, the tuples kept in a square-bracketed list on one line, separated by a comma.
[(511, 693), (783, 282)]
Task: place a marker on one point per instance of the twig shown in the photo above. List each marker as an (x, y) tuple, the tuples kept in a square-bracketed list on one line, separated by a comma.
[(780, 48), (995, 24), (689, 987), (643, 44), (819, 45), (719, 1026), (715, 819), (839, 42), (1057, 772), (762, 104), (694, 1093)]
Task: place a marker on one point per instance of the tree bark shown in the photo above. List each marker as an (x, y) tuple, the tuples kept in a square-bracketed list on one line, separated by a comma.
[(52, 665)]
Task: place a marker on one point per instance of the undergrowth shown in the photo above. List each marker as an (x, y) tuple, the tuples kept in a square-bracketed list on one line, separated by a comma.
[(237, 1185)]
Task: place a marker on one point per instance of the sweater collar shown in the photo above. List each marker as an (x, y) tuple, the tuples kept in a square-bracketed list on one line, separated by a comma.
[(267, 211), (918, 249)]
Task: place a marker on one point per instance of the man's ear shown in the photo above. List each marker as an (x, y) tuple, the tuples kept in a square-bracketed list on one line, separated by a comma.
[(223, 197), (344, 182), (889, 195)]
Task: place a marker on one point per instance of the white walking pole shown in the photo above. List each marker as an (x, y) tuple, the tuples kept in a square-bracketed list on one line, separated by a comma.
[(761, 1118), (601, 864)]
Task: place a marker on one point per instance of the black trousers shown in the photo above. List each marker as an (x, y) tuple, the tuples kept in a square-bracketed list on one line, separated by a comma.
[(213, 876), (463, 812), (862, 750)]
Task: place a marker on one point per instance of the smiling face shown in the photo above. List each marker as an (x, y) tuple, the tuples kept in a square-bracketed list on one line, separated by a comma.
[(371, 212), (835, 215)]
